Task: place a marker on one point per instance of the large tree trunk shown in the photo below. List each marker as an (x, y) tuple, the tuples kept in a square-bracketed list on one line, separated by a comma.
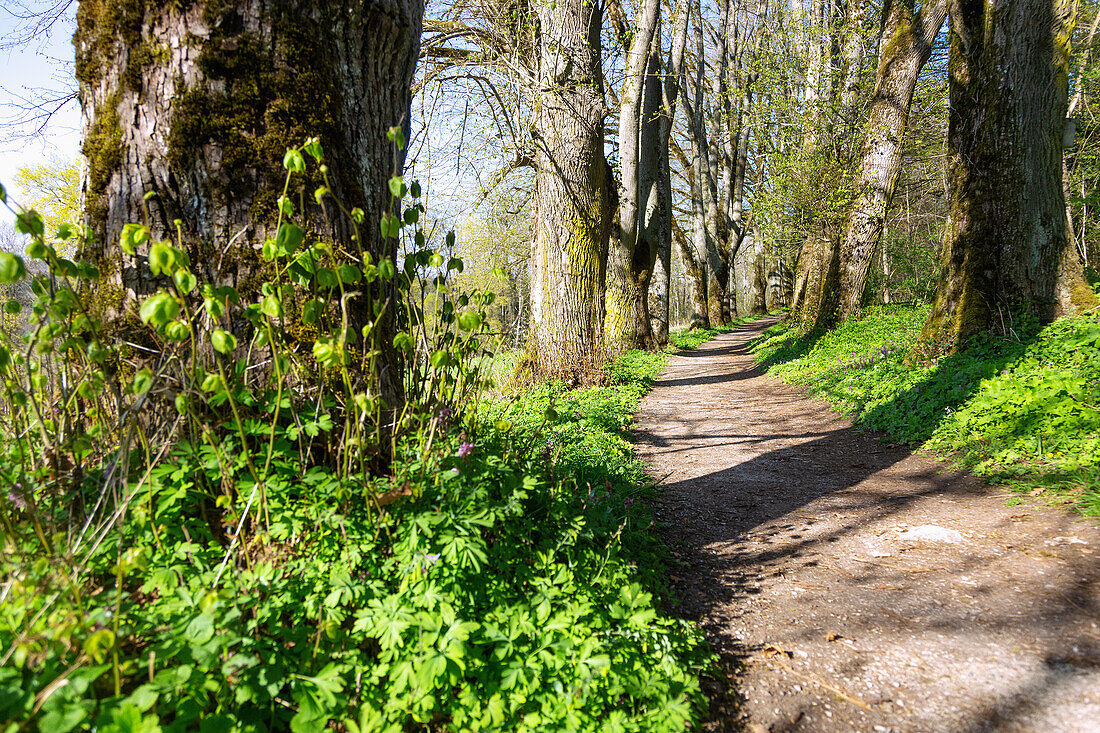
[(573, 193), (1005, 248), (196, 103), (907, 38)]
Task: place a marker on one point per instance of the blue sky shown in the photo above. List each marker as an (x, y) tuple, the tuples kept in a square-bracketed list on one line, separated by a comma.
[(46, 63)]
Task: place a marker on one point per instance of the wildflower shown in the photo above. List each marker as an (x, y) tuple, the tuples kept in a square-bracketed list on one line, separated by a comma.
[(15, 496), (465, 449), (443, 417)]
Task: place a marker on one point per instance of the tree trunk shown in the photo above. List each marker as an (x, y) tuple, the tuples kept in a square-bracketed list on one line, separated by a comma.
[(196, 103), (632, 253), (573, 193), (696, 275), (907, 38), (1005, 247), (670, 92)]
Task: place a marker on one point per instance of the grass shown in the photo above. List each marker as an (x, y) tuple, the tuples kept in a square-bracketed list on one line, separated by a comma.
[(1021, 411)]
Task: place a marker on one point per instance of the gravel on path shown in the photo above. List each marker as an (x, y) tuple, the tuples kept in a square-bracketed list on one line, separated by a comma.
[(852, 585)]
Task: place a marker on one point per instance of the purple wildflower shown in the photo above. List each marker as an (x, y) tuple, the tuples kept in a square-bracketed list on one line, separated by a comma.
[(15, 496), (465, 449)]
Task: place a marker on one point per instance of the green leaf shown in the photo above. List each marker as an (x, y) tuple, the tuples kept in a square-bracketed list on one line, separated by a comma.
[(320, 194), (294, 162), (312, 310), (414, 189), (11, 267), (143, 381), (162, 258), (326, 278), (37, 250), (177, 331), (313, 148), (469, 320), (30, 222), (440, 358), (13, 306), (397, 187), (391, 226), (289, 238), (223, 341), (349, 274), (272, 307), (385, 269), (185, 281), (286, 205), (158, 309), (396, 135), (133, 235)]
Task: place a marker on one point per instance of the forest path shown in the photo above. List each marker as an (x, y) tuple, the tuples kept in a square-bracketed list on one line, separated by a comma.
[(790, 528)]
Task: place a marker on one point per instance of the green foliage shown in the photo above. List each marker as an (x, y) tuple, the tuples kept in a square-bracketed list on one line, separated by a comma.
[(196, 539), (1023, 411)]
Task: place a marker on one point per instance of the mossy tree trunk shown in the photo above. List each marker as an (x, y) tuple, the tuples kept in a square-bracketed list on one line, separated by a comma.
[(907, 37), (574, 193), (196, 103), (1005, 248), (646, 113), (816, 292)]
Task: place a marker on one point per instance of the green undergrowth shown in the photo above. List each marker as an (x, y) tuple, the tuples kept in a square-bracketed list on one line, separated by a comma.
[(1023, 411), (581, 439), (510, 583)]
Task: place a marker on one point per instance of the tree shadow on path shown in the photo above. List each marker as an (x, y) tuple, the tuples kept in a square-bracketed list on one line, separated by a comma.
[(786, 522)]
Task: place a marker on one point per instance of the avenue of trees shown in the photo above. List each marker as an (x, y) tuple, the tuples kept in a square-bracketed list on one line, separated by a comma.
[(820, 155), (299, 431), (721, 157)]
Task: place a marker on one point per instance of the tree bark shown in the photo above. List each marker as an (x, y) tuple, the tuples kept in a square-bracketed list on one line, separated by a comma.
[(670, 92), (632, 253), (196, 103), (574, 193), (907, 38), (1005, 248)]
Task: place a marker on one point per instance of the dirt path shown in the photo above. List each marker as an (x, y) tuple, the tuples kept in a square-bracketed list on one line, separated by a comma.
[(791, 528)]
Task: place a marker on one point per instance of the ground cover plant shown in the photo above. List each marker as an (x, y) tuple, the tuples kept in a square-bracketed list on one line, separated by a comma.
[(191, 543), (1022, 409)]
